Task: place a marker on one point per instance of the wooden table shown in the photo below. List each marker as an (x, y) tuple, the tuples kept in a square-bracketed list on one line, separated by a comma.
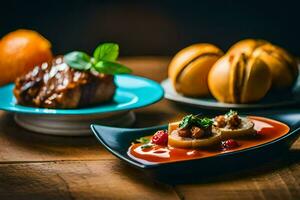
[(34, 166)]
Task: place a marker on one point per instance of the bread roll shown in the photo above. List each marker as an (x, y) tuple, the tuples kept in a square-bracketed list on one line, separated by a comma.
[(239, 78), (282, 65), (189, 69)]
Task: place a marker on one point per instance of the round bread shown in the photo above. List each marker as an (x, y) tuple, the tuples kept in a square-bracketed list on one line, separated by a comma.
[(239, 78), (246, 46), (189, 68), (246, 128), (189, 143), (283, 66)]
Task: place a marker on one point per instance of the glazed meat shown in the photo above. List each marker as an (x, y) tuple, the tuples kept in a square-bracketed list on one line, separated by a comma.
[(56, 85)]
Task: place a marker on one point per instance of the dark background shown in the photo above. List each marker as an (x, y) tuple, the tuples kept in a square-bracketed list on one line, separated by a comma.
[(154, 27)]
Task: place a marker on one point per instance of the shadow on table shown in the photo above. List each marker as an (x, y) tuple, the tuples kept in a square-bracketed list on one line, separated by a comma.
[(19, 139)]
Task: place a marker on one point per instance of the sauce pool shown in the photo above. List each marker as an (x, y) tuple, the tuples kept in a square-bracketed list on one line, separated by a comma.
[(267, 129)]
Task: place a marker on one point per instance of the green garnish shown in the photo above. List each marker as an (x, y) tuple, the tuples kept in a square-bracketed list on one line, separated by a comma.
[(146, 146), (230, 113), (143, 140), (103, 60), (195, 120)]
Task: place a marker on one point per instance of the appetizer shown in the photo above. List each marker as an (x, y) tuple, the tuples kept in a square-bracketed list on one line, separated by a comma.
[(71, 81), (193, 132), (231, 125), (197, 137)]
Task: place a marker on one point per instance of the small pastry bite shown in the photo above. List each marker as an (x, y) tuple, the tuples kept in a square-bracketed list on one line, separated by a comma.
[(193, 132), (239, 78), (189, 68), (231, 125), (283, 66)]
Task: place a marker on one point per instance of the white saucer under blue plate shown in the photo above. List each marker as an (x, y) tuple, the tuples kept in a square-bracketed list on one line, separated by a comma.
[(211, 103), (132, 92)]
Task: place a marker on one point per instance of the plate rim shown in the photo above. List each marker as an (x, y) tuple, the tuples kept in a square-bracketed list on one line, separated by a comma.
[(46, 111), (218, 105)]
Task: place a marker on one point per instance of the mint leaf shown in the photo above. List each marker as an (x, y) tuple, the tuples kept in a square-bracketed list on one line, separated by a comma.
[(230, 113), (205, 122), (186, 121), (194, 120), (146, 146), (78, 60), (107, 52), (143, 140), (112, 68)]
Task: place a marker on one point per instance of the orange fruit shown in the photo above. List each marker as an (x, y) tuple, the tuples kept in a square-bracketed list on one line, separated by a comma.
[(20, 51)]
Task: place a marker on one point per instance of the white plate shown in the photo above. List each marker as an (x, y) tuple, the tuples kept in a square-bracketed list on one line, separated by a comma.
[(211, 103), (72, 125)]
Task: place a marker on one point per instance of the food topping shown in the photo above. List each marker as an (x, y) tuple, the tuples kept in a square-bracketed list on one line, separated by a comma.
[(160, 138), (103, 60), (197, 132), (195, 127), (233, 120), (184, 132), (143, 140), (229, 144), (230, 120), (220, 121)]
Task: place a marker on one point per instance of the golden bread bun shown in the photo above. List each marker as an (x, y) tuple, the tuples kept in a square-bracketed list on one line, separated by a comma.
[(283, 66), (20, 51), (189, 68), (239, 78), (246, 46)]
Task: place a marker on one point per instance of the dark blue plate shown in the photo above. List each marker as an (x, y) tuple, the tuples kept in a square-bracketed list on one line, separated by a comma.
[(117, 141)]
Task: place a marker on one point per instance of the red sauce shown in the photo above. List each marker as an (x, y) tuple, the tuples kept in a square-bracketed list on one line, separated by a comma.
[(267, 129)]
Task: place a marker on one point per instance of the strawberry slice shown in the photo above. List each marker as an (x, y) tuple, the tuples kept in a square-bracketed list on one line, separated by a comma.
[(160, 138), (229, 144)]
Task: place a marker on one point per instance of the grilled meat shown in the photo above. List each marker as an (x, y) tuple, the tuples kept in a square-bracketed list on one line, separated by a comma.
[(56, 85)]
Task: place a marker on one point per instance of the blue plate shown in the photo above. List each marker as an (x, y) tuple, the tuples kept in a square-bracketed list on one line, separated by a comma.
[(132, 92)]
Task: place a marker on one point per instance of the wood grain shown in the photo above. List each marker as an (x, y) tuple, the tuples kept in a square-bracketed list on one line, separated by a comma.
[(279, 179), (34, 166), (105, 179)]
